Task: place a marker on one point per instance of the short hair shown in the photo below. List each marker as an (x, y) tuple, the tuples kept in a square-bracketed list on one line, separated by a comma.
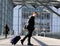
[(35, 13)]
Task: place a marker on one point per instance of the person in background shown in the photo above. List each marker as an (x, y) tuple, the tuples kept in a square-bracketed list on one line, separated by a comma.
[(6, 30), (30, 28)]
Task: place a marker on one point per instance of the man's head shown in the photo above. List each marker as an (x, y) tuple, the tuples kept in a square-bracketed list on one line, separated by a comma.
[(35, 13)]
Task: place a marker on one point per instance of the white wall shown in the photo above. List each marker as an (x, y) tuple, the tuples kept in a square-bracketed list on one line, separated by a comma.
[(15, 20), (55, 21)]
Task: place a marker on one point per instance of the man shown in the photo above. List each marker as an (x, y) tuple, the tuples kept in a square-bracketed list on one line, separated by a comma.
[(30, 28), (6, 30)]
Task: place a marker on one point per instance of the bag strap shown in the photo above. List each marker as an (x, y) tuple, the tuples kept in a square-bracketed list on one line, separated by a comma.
[(28, 20)]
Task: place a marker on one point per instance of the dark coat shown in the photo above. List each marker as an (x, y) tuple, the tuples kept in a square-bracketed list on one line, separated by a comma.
[(6, 29), (31, 23)]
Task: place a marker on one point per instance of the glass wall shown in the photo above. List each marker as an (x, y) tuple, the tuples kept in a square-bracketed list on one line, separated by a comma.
[(6, 13), (0, 16), (42, 21)]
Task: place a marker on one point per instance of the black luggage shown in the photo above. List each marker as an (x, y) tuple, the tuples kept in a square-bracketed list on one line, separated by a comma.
[(15, 40)]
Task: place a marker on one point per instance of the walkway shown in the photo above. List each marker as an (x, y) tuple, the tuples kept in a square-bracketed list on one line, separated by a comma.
[(36, 40), (3, 37)]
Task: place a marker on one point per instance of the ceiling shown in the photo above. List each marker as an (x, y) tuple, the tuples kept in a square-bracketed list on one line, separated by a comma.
[(36, 3), (47, 2)]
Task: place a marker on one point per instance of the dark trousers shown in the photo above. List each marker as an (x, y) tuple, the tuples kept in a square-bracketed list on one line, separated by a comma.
[(5, 35), (29, 36)]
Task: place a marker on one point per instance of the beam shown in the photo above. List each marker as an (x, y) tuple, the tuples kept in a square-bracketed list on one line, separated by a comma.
[(50, 2), (49, 8)]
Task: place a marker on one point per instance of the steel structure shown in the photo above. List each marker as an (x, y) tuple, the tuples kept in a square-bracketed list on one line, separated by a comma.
[(36, 3)]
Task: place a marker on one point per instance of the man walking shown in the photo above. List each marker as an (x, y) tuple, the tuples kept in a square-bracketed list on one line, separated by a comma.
[(30, 28)]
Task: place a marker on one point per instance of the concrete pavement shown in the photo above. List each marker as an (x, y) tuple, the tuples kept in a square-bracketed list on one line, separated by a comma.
[(36, 40), (6, 42), (3, 37), (47, 41)]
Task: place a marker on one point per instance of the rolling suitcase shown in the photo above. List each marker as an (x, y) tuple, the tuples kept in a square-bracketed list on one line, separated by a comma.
[(15, 40)]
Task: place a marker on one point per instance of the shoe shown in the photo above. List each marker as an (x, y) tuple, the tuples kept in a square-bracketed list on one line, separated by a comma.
[(22, 42), (30, 44)]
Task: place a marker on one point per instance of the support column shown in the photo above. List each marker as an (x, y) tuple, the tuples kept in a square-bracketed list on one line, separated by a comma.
[(19, 20)]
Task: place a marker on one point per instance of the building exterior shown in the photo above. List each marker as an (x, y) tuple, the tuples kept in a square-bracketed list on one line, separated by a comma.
[(6, 14)]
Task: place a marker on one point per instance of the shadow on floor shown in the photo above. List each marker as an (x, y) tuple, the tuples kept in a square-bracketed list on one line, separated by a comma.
[(40, 42)]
